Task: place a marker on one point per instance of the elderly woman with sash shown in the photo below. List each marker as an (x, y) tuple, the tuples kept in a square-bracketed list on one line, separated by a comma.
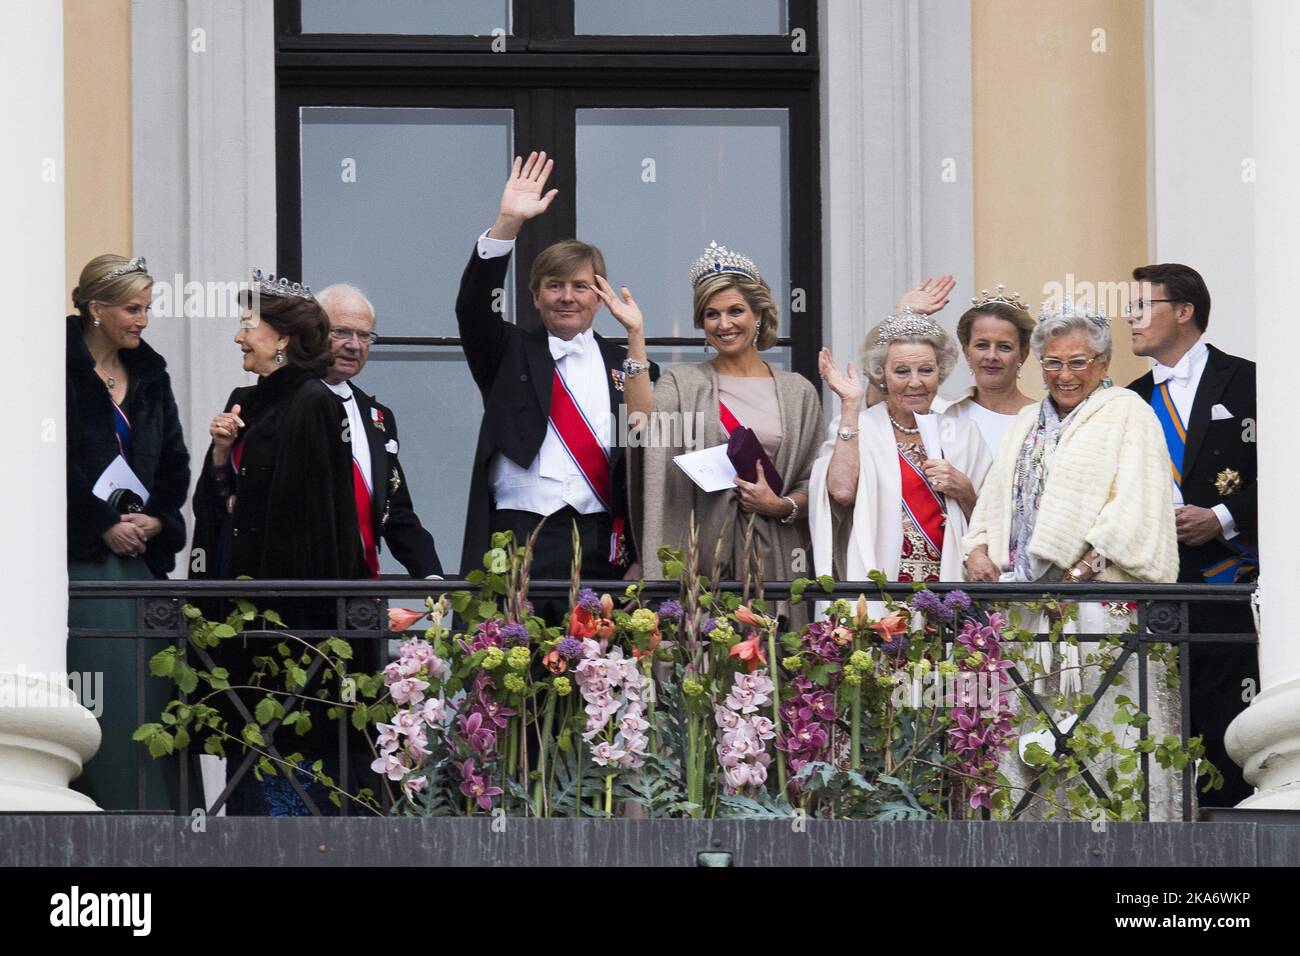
[(698, 406), (894, 485)]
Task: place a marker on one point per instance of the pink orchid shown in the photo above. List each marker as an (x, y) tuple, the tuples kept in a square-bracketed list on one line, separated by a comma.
[(408, 690)]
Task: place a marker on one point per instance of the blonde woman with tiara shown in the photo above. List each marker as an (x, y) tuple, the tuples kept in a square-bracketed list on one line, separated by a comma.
[(120, 406)]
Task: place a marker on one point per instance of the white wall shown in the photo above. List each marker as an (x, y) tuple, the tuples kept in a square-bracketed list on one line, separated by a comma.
[(1202, 213)]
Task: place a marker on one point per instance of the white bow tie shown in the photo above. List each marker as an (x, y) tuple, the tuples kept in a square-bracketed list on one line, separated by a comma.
[(1162, 374), (560, 348)]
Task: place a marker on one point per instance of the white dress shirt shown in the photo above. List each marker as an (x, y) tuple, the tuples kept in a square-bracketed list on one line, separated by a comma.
[(552, 480), (1183, 380), (357, 427)]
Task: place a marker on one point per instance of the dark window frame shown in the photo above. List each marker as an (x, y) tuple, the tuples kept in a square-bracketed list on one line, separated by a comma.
[(544, 77)]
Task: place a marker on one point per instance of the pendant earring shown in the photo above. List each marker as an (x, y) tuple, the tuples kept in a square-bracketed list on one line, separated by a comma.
[(96, 322), (279, 356)]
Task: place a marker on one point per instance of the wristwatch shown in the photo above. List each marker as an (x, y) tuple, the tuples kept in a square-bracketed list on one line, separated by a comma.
[(633, 368), (847, 434)]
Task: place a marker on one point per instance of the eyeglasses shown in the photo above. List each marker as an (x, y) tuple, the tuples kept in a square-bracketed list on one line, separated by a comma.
[(363, 338), (1074, 364), (1140, 305)]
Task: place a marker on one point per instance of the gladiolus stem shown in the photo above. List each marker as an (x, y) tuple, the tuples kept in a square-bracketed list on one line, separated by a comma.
[(775, 671), (609, 795)]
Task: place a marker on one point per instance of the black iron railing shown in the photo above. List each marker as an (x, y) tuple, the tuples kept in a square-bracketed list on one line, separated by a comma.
[(1162, 618)]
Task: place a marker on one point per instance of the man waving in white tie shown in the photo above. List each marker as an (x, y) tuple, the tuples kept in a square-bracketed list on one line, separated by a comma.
[(551, 395)]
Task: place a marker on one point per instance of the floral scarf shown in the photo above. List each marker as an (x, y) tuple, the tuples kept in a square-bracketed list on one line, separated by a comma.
[(1032, 468)]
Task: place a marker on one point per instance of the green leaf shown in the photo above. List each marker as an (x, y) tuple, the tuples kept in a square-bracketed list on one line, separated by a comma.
[(188, 680), (253, 735), (214, 745), (145, 731), (360, 715), (272, 617), (160, 744), (797, 587), (827, 582), (163, 663), (1037, 756), (673, 569), (267, 709), (223, 631), (487, 609), (182, 738)]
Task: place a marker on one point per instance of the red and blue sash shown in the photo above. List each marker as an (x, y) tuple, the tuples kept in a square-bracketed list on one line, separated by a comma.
[(1172, 425), (923, 504)]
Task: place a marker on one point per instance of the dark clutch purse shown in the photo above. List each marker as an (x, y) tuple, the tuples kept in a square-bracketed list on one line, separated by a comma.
[(746, 453)]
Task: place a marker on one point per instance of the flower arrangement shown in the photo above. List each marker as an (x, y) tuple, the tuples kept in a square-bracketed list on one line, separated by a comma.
[(702, 706)]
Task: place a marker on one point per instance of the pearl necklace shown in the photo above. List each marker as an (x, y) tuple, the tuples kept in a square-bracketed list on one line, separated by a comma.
[(905, 431)]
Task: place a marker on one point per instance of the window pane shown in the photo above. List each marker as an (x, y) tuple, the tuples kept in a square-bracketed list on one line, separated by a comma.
[(445, 17), (656, 186), (438, 409), (393, 200), (679, 17)]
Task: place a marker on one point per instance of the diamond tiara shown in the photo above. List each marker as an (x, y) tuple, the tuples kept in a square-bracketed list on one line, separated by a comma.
[(999, 295), (1068, 310), (282, 288), (907, 322), (718, 260), (131, 265)]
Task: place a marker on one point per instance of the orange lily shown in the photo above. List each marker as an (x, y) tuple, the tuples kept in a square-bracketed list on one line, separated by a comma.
[(750, 651), (890, 627), (402, 618), (748, 618), (861, 609), (582, 623)]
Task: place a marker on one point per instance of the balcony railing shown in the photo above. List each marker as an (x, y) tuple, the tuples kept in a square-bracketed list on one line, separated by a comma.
[(1161, 618)]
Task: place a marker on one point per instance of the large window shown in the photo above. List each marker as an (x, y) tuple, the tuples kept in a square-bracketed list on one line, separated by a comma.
[(672, 125)]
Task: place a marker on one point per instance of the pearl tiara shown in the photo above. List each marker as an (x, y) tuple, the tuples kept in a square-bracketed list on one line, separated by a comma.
[(907, 322), (999, 296)]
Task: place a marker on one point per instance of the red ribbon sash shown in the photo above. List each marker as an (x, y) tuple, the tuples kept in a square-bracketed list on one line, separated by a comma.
[(729, 421), (580, 441), (925, 507), (361, 495)]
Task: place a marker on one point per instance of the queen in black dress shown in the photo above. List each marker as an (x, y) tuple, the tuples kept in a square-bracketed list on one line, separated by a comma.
[(276, 497)]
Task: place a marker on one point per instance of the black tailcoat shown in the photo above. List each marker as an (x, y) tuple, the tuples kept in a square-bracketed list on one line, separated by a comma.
[(1214, 447), (513, 369)]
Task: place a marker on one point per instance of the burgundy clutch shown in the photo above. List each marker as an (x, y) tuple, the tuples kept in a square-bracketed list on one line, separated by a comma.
[(746, 453)]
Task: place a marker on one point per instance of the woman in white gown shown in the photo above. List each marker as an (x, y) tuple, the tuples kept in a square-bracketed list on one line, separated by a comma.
[(894, 485)]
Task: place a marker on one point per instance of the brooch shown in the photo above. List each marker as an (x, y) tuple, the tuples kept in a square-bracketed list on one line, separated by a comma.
[(377, 417), (617, 375), (1228, 482), (394, 482)]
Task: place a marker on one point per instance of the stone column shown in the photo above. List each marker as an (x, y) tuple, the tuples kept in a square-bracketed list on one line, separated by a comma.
[(45, 735), (1265, 738)]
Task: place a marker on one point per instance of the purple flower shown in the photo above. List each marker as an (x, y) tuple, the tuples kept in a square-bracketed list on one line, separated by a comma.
[(479, 737), (670, 611), (895, 645), (477, 785), (589, 600), (957, 601), (709, 624), (929, 603), (570, 648), (513, 634), (487, 635)]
